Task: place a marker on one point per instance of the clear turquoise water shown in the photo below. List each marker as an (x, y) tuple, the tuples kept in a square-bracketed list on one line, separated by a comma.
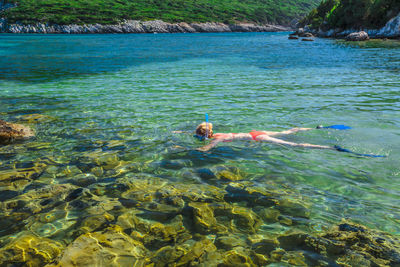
[(140, 88)]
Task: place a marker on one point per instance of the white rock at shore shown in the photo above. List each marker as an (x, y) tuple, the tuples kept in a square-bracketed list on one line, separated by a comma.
[(357, 36)]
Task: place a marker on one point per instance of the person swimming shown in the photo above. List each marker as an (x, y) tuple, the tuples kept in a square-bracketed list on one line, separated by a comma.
[(205, 130)]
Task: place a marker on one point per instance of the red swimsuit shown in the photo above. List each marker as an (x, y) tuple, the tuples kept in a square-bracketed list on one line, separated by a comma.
[(254, 134)]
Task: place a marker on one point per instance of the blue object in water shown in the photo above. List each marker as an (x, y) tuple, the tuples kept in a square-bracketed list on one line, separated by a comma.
[(341, 149), (201, 138), (206, 137), (337, 127)]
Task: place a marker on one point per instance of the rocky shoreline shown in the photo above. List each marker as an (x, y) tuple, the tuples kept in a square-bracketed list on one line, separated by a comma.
[(135, 26), (391, 31)]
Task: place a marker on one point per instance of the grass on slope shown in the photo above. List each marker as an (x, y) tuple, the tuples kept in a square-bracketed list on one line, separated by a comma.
[(113, 11)]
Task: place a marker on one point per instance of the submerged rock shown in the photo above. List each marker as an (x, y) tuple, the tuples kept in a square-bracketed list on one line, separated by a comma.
[(265, 246), (237, 192), (357, 36), (29, 250), (151, 233), (221, 218), (294, 258), (111, 247), (12, 131), (347, 244), (35, 118), (231, 175), (18, 178), (293, 37), (364, 246), (292, 208), (237, 257), (203, 217), (191, 253), (244, 220), (228, 242)]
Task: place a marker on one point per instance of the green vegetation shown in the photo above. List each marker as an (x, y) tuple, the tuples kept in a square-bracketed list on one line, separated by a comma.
[(352, 14), (113, 11)]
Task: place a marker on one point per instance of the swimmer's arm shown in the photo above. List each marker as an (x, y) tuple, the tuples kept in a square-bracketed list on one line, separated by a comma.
[(212, 144), (279, 141)]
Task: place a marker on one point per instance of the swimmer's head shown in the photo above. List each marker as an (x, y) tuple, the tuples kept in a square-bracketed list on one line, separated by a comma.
[(203, 128)]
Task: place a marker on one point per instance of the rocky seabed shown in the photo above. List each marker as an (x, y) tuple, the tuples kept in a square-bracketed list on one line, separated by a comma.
[(104, 208), (390, 30), (135, 26)]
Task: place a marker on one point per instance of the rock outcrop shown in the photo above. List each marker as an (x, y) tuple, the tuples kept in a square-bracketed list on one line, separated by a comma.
[(390, 30), (357, 36), (135, 26), (13, 131)]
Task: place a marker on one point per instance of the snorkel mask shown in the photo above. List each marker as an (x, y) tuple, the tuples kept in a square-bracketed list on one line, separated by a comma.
[(201, 138)]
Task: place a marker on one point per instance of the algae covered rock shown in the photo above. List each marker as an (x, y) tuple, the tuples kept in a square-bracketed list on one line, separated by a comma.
[(228, 242), (152, 233), (231, 174), (292, 240), (237, 257), (294, 258), (29, 250), (269, 215), (96, 222), (111, 247), (346, 244), (191, 253), (364, 246), (222, 218), (203, 217), (36, 118), (164, 234), (265, 246), (244, 220), (237, 192), (293, 208), (19, 177)]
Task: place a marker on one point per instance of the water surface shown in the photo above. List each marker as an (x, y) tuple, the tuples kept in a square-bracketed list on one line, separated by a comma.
[(123, 95)]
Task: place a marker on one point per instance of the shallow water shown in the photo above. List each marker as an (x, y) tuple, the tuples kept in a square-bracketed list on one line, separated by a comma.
[(123, 95)]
